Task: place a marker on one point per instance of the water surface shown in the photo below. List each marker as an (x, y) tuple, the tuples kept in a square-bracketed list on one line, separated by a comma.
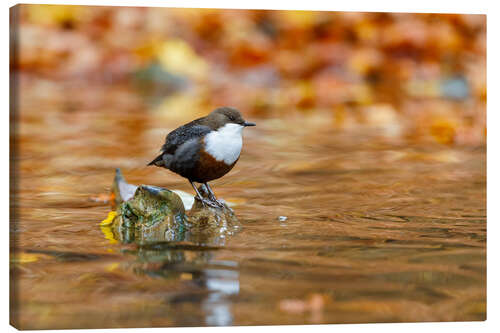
[(373, 228)]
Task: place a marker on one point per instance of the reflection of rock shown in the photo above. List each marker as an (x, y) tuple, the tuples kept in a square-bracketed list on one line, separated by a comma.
[(205, 280), (148, 214)]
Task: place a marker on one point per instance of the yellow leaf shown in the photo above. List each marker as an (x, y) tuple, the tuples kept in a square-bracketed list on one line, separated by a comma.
[(443, 131), (55, 14), (24, 258), (108, 220), (177, 56), (299, 18), (108, 234), (106, 230), (148, 50), (112, 267)]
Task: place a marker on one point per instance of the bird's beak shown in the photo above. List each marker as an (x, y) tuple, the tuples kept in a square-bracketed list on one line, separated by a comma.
[(248, 124)]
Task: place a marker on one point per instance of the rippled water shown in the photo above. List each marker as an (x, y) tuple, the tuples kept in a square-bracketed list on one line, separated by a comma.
[(337, 226)]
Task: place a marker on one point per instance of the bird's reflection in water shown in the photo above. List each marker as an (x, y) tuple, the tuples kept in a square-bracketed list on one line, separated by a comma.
[(205, 283), (221, 283)]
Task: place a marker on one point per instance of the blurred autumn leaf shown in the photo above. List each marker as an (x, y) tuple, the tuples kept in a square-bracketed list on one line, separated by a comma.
[(177, 56), (417, 76), (56, 15)]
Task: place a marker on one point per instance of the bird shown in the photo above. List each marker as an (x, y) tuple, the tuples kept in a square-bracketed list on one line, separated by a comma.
[(204, 149)]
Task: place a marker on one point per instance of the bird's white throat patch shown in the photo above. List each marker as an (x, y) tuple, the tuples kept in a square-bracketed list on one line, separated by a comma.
[(225, 143)]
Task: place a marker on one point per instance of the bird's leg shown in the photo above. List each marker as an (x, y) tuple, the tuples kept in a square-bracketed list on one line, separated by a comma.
[(196, 190), (212, 195), (202, 199), (210, 192)]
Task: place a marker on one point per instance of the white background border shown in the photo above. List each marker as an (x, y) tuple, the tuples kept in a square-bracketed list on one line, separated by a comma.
[(442, 6)]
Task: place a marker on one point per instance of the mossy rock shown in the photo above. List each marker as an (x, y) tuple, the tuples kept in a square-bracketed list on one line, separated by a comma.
[(148, 214), (152, 214)]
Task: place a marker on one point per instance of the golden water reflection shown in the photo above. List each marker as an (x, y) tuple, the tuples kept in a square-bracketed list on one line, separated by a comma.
[(373, 228)]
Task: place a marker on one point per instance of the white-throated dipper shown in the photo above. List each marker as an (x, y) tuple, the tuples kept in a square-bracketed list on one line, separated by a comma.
[(204, 149)]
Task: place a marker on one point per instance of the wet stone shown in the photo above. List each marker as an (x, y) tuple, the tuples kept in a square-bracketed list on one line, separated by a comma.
[(202, 216), (147, 214)]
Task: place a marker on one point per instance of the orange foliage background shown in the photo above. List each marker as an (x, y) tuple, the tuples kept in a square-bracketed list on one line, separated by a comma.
[(413, 76)]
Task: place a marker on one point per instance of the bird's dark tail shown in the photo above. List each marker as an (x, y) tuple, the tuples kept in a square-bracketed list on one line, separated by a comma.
[(158, 161)]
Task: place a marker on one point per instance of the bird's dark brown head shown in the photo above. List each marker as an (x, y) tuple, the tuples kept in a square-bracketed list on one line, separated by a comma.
[(226, 115)]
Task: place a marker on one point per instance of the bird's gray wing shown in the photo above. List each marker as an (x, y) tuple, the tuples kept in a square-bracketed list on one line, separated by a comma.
[(182, 134)]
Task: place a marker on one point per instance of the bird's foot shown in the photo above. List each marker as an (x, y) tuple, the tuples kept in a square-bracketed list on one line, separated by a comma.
[(212, 197), (220, 203), (209, 202), (212, 202)]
